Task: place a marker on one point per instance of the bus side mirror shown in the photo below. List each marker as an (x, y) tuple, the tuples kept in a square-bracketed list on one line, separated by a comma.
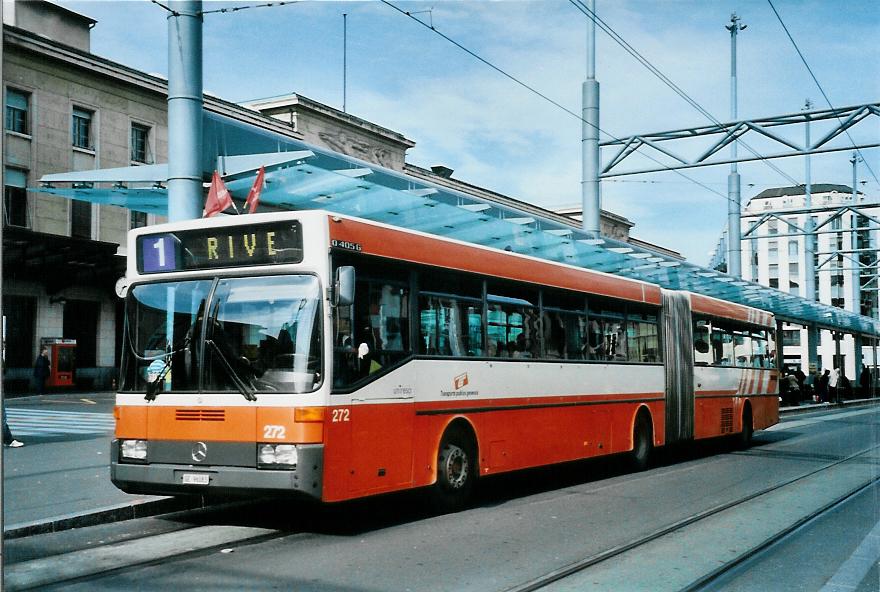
[(344, 285)]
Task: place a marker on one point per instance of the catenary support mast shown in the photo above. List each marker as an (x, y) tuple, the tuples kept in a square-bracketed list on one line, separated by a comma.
[(734, 239), (185, 196), (590, 197)]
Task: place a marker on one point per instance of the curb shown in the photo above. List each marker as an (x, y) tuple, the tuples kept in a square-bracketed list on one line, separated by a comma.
[(120, 512), (820, 406)]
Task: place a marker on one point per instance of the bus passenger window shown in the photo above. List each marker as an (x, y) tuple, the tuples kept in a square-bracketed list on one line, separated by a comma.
[(513, 326), (742, 349), (722, 347), (449, 327), (702, 349)]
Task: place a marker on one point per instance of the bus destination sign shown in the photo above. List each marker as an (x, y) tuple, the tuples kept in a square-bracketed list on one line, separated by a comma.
[(231, 246)]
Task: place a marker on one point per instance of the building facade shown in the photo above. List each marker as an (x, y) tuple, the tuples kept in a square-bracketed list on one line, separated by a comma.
[(66, 109), (845, 259)]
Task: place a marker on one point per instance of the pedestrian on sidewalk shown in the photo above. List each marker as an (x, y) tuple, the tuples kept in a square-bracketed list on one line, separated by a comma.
[(834, 385), (822, 386), (865, 382), (8, 440), (41, 370)]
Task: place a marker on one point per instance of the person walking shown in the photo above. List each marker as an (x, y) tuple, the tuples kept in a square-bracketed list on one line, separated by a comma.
[(822, 387), (833, 385), (801, 380), (8, 440), (865, 382), (41, 370)]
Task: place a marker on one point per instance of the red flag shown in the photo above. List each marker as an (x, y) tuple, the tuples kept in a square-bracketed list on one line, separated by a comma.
[(218, 197), (253, 197)]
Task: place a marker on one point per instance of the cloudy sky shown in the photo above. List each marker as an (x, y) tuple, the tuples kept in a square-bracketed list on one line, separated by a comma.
[(494, 133)]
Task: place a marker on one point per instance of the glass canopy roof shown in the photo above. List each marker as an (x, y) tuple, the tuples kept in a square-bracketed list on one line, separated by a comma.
[(313, 178)]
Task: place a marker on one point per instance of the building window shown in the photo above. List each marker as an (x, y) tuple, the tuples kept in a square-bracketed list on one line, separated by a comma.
[(15, 198), (792, 250), (138, 219), (16, 111), (82, 128), (838, 302), (774, 282), (791, 337), (80, 219), (773, 272), (140, 147), (773, 227), (793, 288)]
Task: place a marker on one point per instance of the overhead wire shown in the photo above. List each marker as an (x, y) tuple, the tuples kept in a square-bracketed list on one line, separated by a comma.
[(822, 90), (543, 96), (230, 9), (238, 8), (609, 30)]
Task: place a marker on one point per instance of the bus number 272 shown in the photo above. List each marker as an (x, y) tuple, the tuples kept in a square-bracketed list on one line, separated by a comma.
[(340, 415)]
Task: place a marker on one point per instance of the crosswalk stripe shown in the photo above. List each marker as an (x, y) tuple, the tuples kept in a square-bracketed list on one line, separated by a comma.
[(36, 422)]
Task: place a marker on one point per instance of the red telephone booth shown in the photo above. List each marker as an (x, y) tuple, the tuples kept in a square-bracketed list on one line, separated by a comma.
[(62, 360)]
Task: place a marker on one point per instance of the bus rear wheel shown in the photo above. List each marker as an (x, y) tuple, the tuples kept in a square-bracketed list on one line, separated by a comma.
[(456, 472), (640, 457), (745, 436)]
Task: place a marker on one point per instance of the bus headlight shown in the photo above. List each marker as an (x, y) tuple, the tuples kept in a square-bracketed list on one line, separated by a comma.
[(277, 456), (133, 450)]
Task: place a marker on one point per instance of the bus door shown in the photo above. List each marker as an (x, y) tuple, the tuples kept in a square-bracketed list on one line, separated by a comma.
[(376, 345), (679, 365)]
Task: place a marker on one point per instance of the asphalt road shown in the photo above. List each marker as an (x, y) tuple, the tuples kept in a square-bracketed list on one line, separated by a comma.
[(523, 526)]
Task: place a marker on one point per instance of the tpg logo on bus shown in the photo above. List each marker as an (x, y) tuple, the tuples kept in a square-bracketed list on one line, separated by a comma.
[(460, 382)]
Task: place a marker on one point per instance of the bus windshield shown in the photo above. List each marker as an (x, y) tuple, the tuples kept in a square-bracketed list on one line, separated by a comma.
[(263, 335)]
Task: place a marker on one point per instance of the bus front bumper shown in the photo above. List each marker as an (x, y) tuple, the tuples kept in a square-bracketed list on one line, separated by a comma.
[(162, 478)]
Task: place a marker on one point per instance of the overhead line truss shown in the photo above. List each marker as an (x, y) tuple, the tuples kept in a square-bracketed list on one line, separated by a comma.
[(846, 117)]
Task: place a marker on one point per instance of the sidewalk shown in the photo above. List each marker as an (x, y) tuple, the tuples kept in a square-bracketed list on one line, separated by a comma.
[(59, 482)]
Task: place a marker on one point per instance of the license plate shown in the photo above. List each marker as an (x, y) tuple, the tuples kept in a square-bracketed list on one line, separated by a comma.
[(196, 478)]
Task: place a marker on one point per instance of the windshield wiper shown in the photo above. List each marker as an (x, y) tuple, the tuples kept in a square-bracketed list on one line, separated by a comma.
[(153, 385), (236, 379)]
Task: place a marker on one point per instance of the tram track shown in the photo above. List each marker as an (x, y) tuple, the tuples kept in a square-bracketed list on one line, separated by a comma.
[(548, 580), (212, 536), (754, 553)]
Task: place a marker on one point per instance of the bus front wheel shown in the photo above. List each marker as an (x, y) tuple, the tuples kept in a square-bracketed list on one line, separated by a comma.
[(456, 472)]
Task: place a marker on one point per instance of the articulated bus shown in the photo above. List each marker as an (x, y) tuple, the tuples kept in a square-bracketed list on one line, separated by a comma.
[(327, 356)]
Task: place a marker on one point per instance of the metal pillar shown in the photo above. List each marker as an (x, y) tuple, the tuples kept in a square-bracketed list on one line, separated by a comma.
[(874, 369), (854, 241), (810, 250), (591, 199), (813, 349), (857, 356), (344, 60), (734, 204), (185, 195)]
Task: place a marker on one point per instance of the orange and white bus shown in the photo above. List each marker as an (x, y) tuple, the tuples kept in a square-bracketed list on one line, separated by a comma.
[(324, 355)]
